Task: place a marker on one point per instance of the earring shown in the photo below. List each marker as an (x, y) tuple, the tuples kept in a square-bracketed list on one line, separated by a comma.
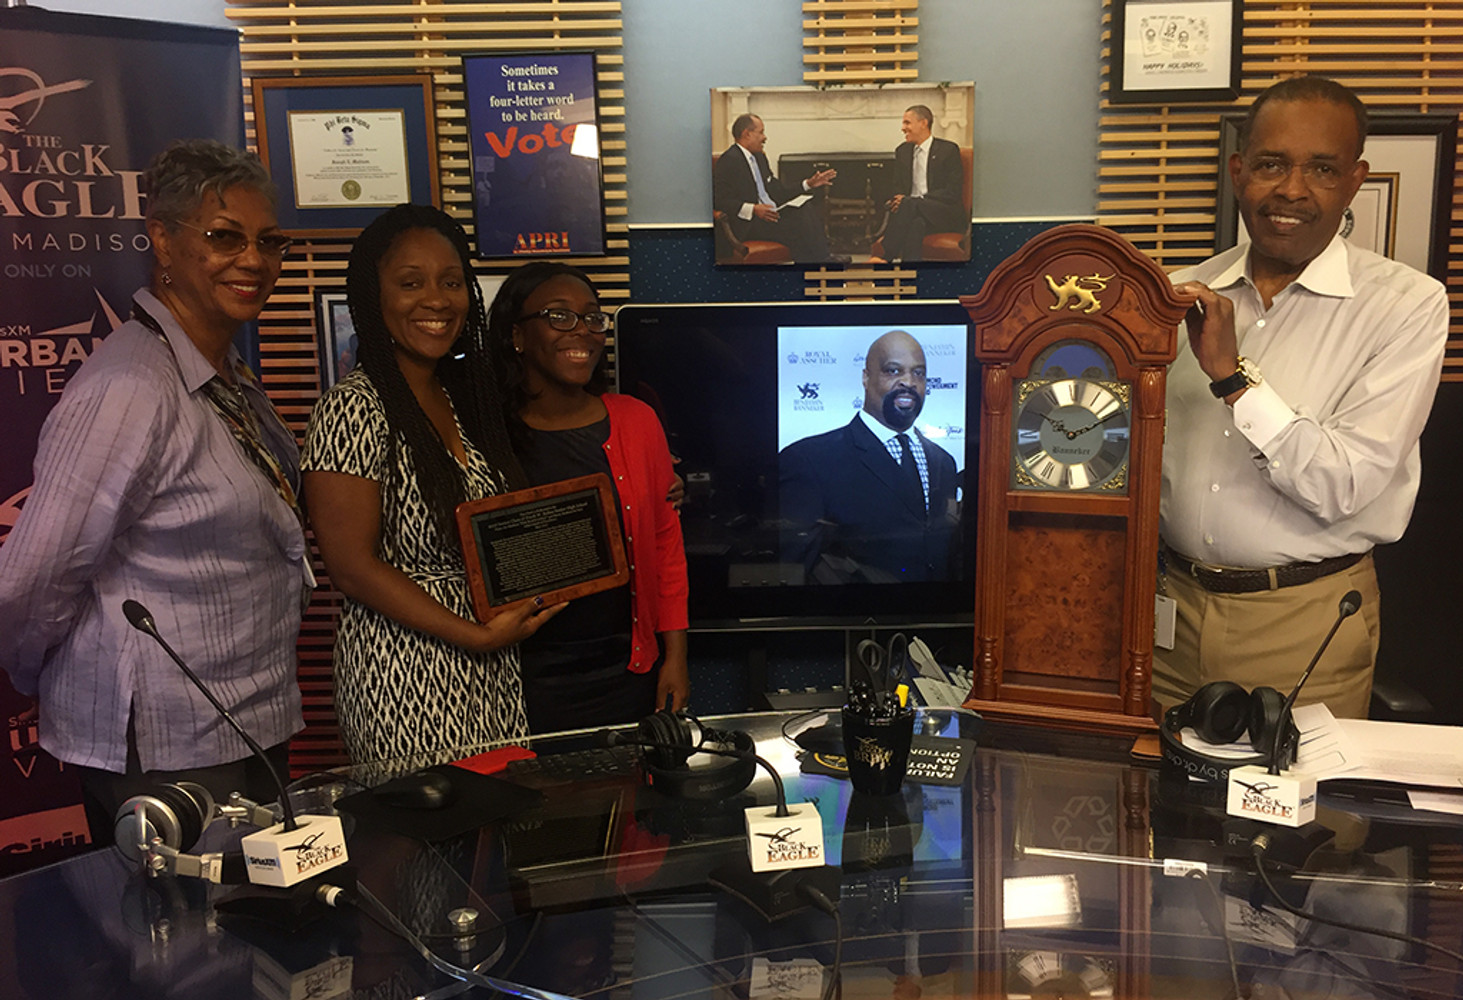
[(517, 350), (167, 277)]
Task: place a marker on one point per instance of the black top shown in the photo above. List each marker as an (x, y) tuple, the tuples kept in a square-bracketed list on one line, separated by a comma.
[(592, 629)]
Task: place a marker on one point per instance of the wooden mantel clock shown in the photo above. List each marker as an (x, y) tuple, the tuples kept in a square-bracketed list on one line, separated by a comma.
[(1074, 334)]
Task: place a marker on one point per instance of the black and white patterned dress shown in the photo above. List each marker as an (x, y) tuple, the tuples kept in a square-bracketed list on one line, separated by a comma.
[(399, 691)]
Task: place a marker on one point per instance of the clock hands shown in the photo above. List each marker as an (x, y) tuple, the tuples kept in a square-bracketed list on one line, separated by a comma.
[(1073, 435)]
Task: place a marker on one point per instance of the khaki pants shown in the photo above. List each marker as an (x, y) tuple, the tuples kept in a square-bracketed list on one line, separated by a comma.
[(1268, 638)]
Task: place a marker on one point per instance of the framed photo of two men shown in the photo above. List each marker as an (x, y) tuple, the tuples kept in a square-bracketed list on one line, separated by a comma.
[(875, 175)]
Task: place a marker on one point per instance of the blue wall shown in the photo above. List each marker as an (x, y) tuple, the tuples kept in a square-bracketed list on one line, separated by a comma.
[(1035, 67), (209, 13), (1036, 72)]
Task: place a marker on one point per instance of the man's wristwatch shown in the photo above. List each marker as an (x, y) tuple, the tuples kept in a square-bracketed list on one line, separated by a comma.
[(1245, 377)]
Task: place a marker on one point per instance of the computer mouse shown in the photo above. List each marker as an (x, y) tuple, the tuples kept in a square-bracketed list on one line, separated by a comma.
[(418, 790)]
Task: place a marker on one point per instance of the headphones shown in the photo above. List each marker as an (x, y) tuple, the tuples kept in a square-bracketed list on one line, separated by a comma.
[(665, 763), (1221, 712), (178, 813)]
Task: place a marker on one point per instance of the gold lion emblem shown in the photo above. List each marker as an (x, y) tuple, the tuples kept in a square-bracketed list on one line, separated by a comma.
[(1077, 292)]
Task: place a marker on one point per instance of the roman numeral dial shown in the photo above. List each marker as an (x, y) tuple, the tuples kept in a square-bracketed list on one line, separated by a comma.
[(1071, 435)]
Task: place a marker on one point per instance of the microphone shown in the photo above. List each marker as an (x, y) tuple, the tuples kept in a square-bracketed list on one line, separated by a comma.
[(1279, 740), (610, 738), (141, 619), (288, 852)]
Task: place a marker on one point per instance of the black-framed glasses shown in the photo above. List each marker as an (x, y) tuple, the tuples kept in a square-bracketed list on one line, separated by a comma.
[(231, 242), (565, 320)]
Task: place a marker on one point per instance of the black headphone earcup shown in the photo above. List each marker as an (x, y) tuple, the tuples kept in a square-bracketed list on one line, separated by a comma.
[(669, 728), (1219, 712), (719, 779), (1265, 706)]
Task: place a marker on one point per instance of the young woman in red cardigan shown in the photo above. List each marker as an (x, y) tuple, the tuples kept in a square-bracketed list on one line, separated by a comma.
[(612, 657)]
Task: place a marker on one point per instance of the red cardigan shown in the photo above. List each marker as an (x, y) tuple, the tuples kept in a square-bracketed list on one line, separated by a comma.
[(640, 461)]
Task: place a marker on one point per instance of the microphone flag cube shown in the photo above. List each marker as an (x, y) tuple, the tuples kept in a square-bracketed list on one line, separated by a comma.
[(1286, 799), (776, 843), (281, 857)]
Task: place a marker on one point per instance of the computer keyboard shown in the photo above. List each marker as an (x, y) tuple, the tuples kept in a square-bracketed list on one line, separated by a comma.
[(578, 765)]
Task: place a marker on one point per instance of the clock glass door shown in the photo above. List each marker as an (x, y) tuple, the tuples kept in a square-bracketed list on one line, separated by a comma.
[(1071, 428)]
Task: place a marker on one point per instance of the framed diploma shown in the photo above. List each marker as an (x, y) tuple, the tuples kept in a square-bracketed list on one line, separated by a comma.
[(1171, 51), (555, 542), (533, 128), (343, 149)]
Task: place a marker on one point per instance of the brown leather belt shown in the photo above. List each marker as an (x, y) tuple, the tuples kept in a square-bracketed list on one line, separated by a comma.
[(1252, 581)]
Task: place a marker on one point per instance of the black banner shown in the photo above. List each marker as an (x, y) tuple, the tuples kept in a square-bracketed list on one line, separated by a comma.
[(85, 103)]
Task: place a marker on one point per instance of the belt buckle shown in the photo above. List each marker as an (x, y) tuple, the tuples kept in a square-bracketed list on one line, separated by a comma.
[(1202, 569), (1217, 579)]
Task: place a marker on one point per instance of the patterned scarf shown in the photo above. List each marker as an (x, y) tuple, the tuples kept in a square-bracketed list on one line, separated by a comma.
[(234, 409)]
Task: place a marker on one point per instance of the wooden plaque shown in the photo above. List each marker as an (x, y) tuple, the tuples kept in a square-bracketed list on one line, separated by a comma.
[(1074, 333), (555, 542)]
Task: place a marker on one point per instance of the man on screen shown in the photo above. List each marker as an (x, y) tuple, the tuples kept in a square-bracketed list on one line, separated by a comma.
[(745, 190), (873, 501)]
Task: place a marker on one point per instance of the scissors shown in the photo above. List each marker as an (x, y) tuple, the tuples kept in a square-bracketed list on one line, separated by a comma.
[(885, 667)]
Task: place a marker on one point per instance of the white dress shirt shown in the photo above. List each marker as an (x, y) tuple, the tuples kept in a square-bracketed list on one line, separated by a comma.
[(1321, 458), (919, 185)]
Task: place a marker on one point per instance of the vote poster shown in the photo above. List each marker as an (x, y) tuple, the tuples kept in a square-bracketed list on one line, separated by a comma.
[(533, 122)]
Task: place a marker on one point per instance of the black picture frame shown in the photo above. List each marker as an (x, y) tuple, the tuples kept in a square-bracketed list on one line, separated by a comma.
[(277, 98), (1169, 66), (1412, 156), (335, 335)]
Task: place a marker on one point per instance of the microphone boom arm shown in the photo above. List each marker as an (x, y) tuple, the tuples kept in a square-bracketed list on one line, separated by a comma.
[(1350, 604)]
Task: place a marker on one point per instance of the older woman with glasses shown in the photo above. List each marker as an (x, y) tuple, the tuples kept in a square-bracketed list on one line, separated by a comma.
[(165, 476), (615, 656)]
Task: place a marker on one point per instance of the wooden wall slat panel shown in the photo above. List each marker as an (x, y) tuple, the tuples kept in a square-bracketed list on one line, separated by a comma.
[(324, 38), (852, 42)]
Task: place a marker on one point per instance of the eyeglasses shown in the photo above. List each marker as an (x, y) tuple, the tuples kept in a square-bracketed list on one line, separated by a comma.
[(231, 242), (565, 320), (1321, 174)]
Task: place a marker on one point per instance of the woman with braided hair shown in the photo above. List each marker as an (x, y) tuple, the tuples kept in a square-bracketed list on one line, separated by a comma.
[(415, 429)]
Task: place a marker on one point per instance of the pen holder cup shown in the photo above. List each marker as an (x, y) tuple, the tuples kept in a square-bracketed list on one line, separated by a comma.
[(877, 750)]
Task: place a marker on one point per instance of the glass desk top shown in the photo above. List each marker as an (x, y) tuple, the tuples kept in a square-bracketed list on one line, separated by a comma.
[(1056, 866)]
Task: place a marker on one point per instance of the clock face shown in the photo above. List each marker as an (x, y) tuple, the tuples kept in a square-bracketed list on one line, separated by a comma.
[(1071, 435), (1034, 974)]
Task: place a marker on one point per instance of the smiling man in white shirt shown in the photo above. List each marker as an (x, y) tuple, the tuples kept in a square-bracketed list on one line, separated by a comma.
[(1294, 412)]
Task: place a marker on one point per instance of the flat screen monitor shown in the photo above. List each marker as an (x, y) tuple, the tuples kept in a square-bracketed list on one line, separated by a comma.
[(801, 504)]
